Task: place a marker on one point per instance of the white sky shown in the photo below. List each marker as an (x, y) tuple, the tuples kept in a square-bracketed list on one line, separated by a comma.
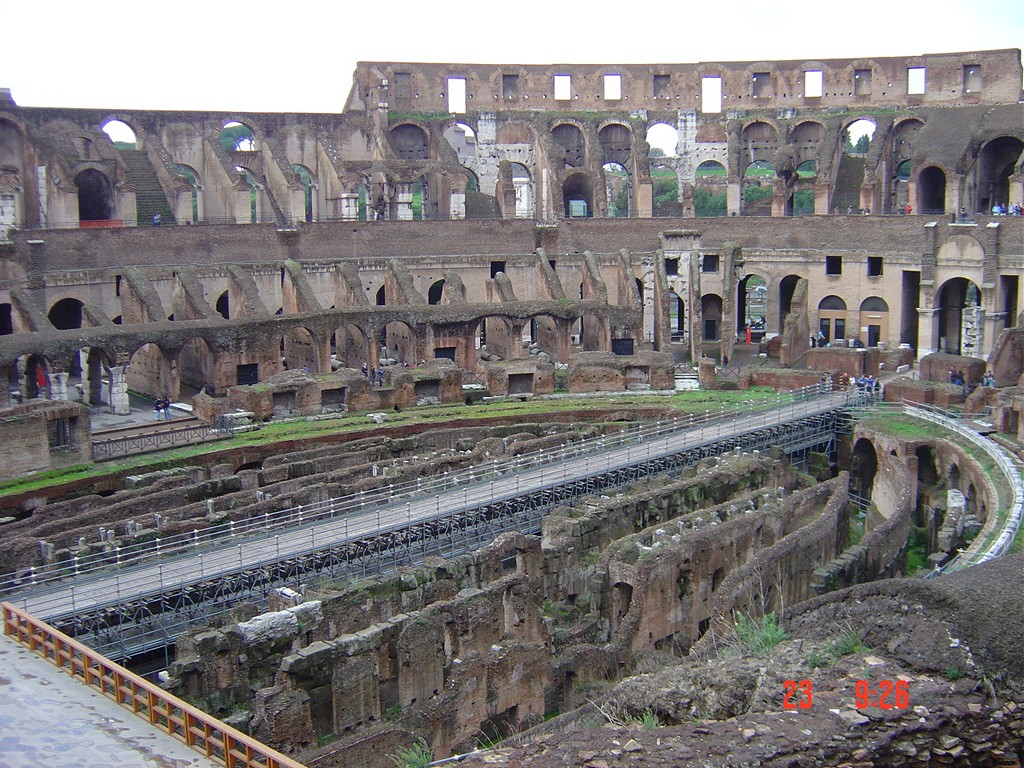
[(299, 57)]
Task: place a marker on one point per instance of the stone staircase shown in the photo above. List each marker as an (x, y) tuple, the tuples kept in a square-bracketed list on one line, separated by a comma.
[(149, 195), (848, 182)]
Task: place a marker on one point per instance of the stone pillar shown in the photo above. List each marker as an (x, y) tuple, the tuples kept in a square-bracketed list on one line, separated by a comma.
[(118, 398), (972, 331), (927, 331), (59, 386)]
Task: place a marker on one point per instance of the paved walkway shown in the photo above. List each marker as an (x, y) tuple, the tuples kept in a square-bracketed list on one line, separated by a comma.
[(50, 720)]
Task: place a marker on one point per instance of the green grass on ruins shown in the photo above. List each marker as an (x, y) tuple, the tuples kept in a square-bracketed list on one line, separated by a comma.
[(691, 402)]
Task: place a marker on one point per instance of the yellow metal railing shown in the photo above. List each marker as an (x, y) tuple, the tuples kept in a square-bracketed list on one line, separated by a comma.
[(200, 731)]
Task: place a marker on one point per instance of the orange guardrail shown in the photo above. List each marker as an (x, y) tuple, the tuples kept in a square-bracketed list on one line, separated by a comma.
[(200, 731)]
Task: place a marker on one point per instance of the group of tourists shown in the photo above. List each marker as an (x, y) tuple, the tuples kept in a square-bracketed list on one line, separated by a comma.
[(376, 375), (999, 209), (162, 406)]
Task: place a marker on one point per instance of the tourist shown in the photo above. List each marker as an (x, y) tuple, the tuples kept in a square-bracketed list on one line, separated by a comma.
[(156, 220), (908, 209), (166, 406), (158, 406)]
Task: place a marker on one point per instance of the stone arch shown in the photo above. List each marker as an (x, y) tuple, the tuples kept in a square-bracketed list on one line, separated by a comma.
[(752, 306), (578, 195), (236, 136), (150, 371), (874, 315), (927, 469), (665, 191), (462, 139), (616, 142), (351, 346), (931, 190), (398, 343), (998, 160), (223, 305), (758, 181), (95, 196), (711, 313), (36, 379), (191, 178), (436, 292), (617, 189), (196, 365), (569, 139), (857, 136), (961, 317), (758, 141), (300, 350), (863, 466), (409, 142), (66, 314), (953, 476), (710, 189), (123, 135), (663, 137), (307, 181), (547, 338), (832, 318), (787, 286)]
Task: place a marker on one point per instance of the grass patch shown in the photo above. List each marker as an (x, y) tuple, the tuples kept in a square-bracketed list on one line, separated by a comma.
[(649, 720), (418, 755), (848, 643), (759, 635)]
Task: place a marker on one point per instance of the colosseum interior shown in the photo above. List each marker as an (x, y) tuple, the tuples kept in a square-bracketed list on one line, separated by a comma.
[(494, 235)]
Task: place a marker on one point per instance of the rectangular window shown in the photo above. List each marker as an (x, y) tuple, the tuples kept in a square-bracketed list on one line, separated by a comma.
[(456, 95), (671, 266), (563, 87), (840, 328), (761, 86), (710, 94), (862, 82), (972, 78), (59, 433), (662, 86), (813, 84), (509, 86), (709, 263), (874, 266), (833, 265), (612, 87), (915, 81), (496, 267), (402, 85)]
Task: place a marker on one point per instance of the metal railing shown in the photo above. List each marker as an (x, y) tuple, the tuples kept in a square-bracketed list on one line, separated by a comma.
[(129, 445), (196, 729), (114, 556)]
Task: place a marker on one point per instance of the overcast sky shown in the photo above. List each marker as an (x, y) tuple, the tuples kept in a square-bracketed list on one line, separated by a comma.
[(299, 56)]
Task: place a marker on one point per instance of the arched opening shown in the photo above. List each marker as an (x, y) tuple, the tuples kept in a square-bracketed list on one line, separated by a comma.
[(863, 466), (523, 186), (996, 164), (569, 140), (665, 185), (709, 192), (192, 179), (802, 201), (398, 344), (149, 372), (95, 196), (224, 306), (578, 196), (757, 189), (663, 139), (927, 471), (381, 297), (787, 286), (6, 319), (409, 142), (305, 179), (299, 351), (66, 314), (235, 137), (874, 315), (901, 191), (831, 320), (953, 477), (752, 308), (857, 137), (252, 185), (931, 190), (616, 190), (121, 134), (711, 311), (545, 341), (462, 139), (961, 317), (196, 368), (37, 377), (350, 346), (616, 144), (676, 316), (435, 292)]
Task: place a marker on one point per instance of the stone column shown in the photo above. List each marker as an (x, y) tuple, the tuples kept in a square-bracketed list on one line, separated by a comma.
[(59, 385), (118, 398), (927, 331)]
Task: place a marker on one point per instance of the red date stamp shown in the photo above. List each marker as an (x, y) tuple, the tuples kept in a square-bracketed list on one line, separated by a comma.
[(887, 694), (797, 694)]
